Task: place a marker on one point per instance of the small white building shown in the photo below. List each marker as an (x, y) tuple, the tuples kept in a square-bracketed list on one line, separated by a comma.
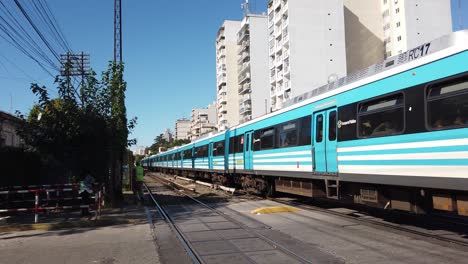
[(8, 135), (203, 121), (182, 129)]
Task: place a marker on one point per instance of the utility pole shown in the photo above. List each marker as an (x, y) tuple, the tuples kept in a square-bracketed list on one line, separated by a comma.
[(73, 65), (117, 31)]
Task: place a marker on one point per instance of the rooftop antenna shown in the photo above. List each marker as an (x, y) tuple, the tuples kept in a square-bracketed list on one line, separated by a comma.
[(11, 103), (246, 7)]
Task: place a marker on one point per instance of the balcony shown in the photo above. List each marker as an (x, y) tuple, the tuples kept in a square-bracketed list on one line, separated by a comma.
[(221, 80), (246, 98), (222, 99), (278, 18), (277, 31), (285, 6), (243, 56), (244, 46), (220, 44), (222, 118), (242, 36), (245, 109), (276, 4), (243, 78), (287, 85), (222, 108), (221, 54), (278, 61), (244, 67), (279, 45), (279, 75), (244, 88)]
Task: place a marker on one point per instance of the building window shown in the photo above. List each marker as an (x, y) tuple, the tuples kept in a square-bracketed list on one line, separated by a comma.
[(447, 105), (384, 2), (398, 24), (399, 38), (381, 117), (397, 10)]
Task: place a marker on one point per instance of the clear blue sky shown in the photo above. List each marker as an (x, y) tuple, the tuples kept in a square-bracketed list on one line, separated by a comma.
[(168, 48)]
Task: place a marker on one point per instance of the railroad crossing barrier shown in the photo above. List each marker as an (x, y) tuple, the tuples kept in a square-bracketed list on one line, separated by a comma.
[(43, 204)]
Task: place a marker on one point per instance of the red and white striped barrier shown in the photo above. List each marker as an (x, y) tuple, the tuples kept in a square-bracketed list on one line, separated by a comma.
[(25, 187), (98, 201)]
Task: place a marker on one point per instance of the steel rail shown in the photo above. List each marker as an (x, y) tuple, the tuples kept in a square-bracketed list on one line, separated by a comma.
[(193, 255), (251, 230), (371, 222)]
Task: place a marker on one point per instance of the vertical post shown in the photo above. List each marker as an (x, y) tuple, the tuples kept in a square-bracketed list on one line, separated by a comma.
[(48, 199), (36, 206)]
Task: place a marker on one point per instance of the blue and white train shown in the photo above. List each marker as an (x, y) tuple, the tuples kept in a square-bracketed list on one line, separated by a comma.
[(394, 135)]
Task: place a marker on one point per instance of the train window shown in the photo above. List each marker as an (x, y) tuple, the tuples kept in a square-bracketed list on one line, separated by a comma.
[(232, 145), (332, 126), (187, 154), (304, 133), (447, 105), (319, 128), (218, 148), (287, 135), (256, 140), (239, 148), (202, 151), (267, 138), (381, 117)]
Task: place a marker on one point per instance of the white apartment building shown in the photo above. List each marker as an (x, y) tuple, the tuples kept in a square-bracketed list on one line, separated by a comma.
[(306, 46), (203, 121), (254, 96), (8, 135), (168, 135), (139, 151), (376, 29), (226, 75), (182, 129), (409, 23)]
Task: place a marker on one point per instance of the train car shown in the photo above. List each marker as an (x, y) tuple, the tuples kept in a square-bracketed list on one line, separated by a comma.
[(394, 135)]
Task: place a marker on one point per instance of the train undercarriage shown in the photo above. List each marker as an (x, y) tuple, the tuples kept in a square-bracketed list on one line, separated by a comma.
[(387, 197)]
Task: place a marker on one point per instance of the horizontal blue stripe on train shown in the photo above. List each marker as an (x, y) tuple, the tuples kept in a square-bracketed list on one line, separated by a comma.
[(405, 151), (284, 163), (409, 138), (433, 162)]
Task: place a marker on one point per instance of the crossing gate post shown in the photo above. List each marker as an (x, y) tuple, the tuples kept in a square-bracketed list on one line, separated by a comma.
[(36, 206)]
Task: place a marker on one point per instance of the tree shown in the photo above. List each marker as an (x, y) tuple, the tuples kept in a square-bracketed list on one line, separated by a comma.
[(85, 132)]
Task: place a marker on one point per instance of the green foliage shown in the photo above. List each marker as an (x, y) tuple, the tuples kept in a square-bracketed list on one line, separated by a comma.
[(160, 141), (80, 131)]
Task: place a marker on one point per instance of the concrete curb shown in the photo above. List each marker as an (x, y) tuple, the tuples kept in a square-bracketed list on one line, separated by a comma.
[(77, 224)]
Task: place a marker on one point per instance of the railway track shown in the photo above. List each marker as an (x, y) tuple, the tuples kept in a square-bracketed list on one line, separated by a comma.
[(240, 247), (358, 217), (429, 223)]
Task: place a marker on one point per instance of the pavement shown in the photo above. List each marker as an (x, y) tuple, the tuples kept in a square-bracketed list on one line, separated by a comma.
[(124, 235)]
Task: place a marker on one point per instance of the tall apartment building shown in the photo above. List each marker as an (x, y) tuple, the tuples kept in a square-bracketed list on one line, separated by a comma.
[(364, 33), (182, 129), (376, 29), (226, 75), (203, 121), (167, 135), (254, 96), (306, 46), (409, 23)]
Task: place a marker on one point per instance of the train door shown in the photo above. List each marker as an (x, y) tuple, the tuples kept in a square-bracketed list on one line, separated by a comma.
[(210, 156), (324, 143), (248, 152)]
